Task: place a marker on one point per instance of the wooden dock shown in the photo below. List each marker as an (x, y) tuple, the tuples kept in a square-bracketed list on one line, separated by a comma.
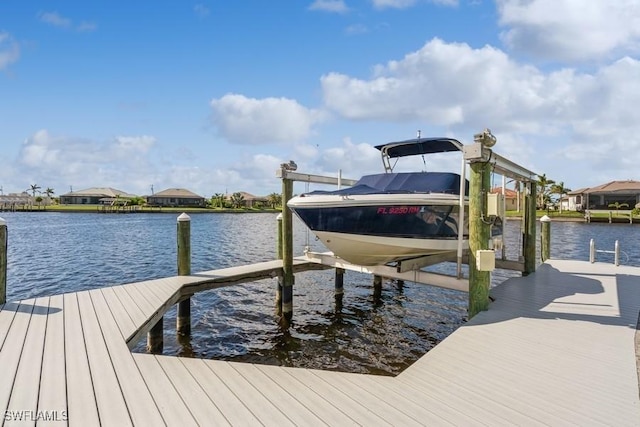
[(555, 348)]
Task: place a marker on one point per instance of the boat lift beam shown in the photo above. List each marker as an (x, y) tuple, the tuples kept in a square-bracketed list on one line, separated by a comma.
[(316, 179), (417, 276), (476, 152)]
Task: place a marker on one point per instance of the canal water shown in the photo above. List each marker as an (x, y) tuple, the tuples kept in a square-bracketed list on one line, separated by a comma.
[(51, 253)]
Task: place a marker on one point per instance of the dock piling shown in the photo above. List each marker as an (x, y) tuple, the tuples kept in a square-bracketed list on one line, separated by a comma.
[(155, 340), (545, 238), (479, 234), (287, 254), (3, 260), (377, 287), (529, 240), (183, 318), (339, 285), (280, 277)]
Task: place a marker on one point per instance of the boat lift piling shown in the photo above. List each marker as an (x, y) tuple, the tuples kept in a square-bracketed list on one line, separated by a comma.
[(483, 161), (287, 252), (288, 174), (3, 260)]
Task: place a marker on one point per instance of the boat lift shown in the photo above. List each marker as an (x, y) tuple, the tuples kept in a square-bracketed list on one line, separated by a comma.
[(410, 269)]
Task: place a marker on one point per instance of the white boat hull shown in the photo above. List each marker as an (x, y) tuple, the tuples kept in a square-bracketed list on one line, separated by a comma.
[(375, 250)]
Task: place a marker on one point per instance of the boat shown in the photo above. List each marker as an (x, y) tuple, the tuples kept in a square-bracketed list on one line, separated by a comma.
[(392, 216)]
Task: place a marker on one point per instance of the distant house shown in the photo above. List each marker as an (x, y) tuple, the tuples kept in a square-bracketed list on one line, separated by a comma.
[(176, 197), (575, 200), (250, 201), (510, 198), (13, 201), (94, 196), (600, 197)]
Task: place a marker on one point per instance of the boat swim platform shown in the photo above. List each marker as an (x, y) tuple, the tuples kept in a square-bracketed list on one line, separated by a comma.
[(555, 348)]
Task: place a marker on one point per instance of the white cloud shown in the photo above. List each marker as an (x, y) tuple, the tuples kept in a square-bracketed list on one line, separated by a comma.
[(243, 120), (568, 30), (201, 10), (9, 50), (57, 20), (335, 6), (462, 89), (86, 27), (442, 84), (404, 4), (59, 161)]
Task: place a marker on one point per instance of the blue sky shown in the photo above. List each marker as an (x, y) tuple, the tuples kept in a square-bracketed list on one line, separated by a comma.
[(213, 95)]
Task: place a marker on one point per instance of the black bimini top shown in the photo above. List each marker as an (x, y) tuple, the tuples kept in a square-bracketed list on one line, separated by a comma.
[(406, 182), (417, 146)]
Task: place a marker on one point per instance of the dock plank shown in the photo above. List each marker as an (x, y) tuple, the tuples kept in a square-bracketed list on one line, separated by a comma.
[(81, 400), (25, 397), (53, 386), (341, 399), (203, 409), (12, 347), (109, 398), (258, 404), (323, 409), (137, 397), (173, 409), (124, 320), (287, 403), (386, 405), (133, 310), (235, 409)]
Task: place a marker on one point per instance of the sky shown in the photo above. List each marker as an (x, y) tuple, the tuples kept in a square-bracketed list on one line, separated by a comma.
[(213, 96)]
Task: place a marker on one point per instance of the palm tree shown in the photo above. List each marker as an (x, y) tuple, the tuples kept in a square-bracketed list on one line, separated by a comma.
[(543, 190), (618, 205), (560, 190), (49, 192), (34, 188), (275, 199), (237, 200), (218, 200)]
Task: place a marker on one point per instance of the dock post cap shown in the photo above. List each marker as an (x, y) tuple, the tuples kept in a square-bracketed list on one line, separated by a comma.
[(545, 218), (279, 217), (184, 217), (3, 221)]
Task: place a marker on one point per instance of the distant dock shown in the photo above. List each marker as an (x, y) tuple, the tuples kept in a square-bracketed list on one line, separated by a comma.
[(555, 347)]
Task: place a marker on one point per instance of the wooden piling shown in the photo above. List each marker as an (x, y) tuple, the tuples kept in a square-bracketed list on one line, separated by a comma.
[(377, 287), (479, 234), (287, 254), (530, 231), (183, 318), (3, 260), (339, 286), (545, 238), (155, 341), (279, 278)]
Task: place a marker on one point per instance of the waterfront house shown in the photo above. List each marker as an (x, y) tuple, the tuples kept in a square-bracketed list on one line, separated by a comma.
[(575, 200), (176, 197), (510, 198), (94, 196), (13, 201), (600, 197), (249, 200)]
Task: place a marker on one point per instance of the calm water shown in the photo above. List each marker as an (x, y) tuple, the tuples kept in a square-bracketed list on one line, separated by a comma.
[(51, 253)]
